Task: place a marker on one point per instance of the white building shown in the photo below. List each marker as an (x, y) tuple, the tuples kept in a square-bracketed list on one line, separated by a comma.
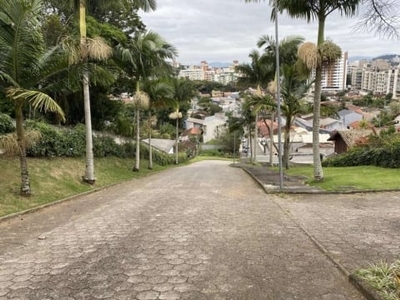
[(334, 78), (212, 126)]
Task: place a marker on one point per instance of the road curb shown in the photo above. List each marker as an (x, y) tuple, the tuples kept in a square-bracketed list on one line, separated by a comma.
[(364, 288), (311, 191)]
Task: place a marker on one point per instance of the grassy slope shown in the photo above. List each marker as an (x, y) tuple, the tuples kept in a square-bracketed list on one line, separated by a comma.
[(57, 178), (362, 177)]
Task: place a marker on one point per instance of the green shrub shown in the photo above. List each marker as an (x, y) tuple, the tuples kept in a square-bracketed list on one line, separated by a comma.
[(57, 142), (384, 153), (6, 124)]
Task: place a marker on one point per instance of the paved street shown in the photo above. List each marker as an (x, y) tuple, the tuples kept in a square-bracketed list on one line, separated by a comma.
[(203, 231), (356, 229)]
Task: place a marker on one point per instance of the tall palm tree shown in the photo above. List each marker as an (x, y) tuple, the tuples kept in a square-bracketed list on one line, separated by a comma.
[(258, 73), (140, 100), (89, 49), (183, 91), (288, 48), (24, 63), (145, 58), (176, 115), (159, 93), (293, 89), (315, 10)]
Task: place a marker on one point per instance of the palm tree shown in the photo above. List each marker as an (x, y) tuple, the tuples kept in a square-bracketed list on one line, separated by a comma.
[(145, 58), (315, 10), (24, 63), (95, 49), (288, 48), (183, 91), (140, 100), (258, 73), (89, 49), (293, 89), (159, 93), (176, 115)]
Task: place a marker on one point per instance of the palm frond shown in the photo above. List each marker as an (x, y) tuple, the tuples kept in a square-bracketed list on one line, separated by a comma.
[(37, 99)]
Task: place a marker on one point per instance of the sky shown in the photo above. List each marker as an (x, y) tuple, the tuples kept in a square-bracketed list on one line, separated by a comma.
[(228, 30)]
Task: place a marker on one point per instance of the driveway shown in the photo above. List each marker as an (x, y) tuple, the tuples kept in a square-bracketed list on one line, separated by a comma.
[(203, 231)]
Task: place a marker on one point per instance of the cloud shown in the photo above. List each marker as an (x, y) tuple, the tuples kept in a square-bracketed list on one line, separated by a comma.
[(227, 30)]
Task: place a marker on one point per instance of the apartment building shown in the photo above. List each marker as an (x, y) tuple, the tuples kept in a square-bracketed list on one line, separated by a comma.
[(334, 77), (208, 73), (381, 81)]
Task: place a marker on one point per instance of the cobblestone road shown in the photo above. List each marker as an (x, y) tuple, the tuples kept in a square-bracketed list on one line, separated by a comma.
[(204, 231), (356, 229)]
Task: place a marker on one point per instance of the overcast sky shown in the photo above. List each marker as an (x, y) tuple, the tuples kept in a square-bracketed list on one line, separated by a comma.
[(227, 30)]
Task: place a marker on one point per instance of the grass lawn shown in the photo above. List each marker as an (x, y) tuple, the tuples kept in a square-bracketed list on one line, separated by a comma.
[(361, 177), (58, 178)]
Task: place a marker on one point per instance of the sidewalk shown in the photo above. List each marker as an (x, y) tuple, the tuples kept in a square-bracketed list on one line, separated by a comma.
[(352, 230), (269, 179)]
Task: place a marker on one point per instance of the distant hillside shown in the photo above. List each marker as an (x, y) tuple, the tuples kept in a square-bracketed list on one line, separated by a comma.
[(386, 56), (217, 64), (358, 58)]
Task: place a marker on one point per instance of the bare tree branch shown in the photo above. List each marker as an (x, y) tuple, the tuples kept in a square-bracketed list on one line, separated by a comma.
[(382, 17)]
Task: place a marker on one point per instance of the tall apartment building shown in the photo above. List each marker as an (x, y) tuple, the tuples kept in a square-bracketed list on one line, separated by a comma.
[(381, 81), (334, 77)]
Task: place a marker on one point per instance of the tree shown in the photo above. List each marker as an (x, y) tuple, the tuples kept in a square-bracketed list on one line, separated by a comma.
[(288, 48), (293, 90), (143, 58), (176, 115), (316, 10), (159, 93), (97, 49), (381, 16), (140, 100), (24, 64), (183, 91), (258, 73)]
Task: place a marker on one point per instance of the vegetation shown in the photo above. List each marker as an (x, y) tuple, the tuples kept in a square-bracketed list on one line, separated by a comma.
[(381, 150), (58, 178), (383, 277), (353, 178)]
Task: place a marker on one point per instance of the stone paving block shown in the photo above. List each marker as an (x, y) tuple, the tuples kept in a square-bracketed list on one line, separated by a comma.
[(209, 233)]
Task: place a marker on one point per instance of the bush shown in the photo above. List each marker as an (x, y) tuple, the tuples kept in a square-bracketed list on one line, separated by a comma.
[(58, 142), (381, 152), (6, 124)]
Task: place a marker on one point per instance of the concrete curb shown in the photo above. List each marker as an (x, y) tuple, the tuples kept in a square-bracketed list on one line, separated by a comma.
[(364, 288), (311, 191)]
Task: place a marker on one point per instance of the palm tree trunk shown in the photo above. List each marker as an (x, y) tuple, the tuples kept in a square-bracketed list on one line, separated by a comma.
[(136, 168), (318, 172), (286, 143), (89, 174), (255, 139), (176, 141), (150, 147), (250, 145), (25, 183), (271, 144)]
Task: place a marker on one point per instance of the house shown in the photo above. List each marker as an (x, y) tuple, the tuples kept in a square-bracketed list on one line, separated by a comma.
[(166, 146), (346, 139), (349, 116), (191, 132), (212, 126), (330, 124)]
